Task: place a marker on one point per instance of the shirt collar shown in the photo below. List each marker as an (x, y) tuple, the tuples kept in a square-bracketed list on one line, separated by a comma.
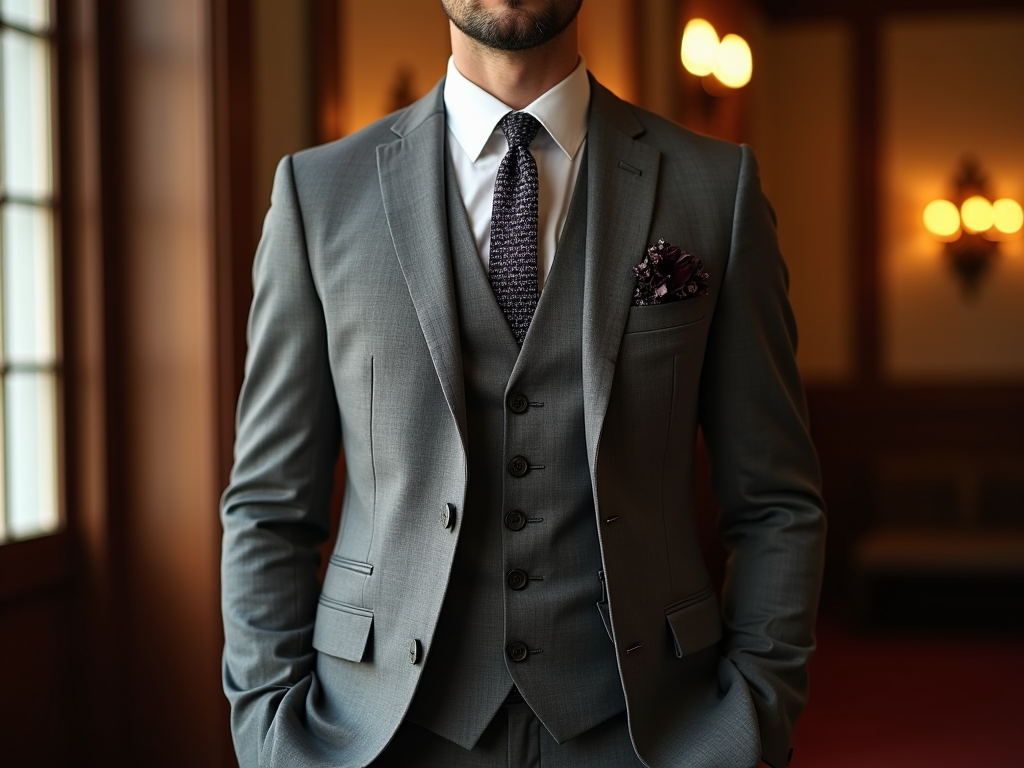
[(473, 114)]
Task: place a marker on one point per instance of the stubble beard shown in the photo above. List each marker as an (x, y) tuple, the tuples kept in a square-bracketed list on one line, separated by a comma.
[(513, 29)]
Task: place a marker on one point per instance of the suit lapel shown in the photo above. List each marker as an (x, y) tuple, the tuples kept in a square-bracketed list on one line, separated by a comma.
[(623, 180), (411, 171), (623, 176)]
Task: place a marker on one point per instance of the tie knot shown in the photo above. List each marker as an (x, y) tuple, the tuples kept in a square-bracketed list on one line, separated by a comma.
[(520, 129)]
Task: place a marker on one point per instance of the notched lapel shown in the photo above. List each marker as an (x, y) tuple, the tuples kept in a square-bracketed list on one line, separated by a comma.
[(411, 171), (622, 185)]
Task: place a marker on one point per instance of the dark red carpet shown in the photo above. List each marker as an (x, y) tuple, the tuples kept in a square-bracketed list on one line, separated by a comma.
[(913, 700)]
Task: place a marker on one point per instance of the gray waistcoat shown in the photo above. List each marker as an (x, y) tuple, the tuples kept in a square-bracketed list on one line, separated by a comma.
[(526, 571)]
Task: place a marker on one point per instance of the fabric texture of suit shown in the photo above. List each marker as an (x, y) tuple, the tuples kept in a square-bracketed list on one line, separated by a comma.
[(354, 339)]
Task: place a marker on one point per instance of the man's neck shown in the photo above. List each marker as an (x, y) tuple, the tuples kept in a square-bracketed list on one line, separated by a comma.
[(517, 78)]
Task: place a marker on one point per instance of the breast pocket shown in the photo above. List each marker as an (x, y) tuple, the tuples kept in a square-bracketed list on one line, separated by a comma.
[(663, 316)]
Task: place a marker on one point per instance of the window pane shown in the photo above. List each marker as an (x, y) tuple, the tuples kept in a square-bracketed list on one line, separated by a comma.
[(28, 296), (34, 14), (31, 405), (26, 113)]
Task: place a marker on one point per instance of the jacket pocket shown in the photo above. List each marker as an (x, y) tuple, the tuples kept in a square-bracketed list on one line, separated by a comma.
[(602, 607), (662, 316), (342, 630), (345, 580), (352, 565), (694, 622)]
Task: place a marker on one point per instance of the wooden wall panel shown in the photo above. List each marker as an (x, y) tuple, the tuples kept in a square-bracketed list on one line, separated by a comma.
[(37, 651), (170, 472), (865, 435)]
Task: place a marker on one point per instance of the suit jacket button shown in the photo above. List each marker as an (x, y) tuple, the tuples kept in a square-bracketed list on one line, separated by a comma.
[(517, 579), (518, 403), (415, 651), (515, 520), (448, 516), (518, 466), (517, 651)]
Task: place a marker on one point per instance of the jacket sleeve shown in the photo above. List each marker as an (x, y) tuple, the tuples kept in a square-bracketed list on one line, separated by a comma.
[(764, 472), (275, 509)]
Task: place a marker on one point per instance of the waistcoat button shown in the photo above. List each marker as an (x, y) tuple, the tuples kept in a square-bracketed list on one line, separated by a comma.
[(515, 520), (517, 651), (415, 652), (517, 579), (518, 403), (518, 466), (448, 516)]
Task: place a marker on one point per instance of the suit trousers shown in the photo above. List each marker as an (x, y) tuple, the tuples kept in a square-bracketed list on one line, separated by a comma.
[(515, 738)]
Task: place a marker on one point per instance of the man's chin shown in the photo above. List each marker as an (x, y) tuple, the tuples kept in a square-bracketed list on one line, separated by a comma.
[(516, 27)]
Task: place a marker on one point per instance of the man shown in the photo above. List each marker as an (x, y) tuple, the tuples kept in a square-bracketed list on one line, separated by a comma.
[(514, 303)]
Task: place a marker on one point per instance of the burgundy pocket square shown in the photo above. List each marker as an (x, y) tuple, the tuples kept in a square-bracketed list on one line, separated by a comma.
[(666, 274)]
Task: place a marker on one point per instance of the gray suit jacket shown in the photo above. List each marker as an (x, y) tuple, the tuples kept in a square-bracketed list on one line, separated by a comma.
[(353, 340)]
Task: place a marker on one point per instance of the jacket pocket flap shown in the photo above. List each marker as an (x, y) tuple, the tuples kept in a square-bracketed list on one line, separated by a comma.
[(695, 626), (342, 630)]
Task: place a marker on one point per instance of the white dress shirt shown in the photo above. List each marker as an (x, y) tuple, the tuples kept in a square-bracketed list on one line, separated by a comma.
[(476, 146)]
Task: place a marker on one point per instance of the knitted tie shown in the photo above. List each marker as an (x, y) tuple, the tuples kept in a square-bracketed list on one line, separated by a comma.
[(513, 258)]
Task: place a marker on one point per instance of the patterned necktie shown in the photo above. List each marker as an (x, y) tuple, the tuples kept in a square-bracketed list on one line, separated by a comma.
[(513, 258)]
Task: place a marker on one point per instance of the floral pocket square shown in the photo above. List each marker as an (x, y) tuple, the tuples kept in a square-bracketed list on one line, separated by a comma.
[(666, 274)]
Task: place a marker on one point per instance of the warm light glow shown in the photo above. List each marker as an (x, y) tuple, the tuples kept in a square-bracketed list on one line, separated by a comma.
[(977, 214), (733, 62), (1008, 215), (700, 47), (942, 218)]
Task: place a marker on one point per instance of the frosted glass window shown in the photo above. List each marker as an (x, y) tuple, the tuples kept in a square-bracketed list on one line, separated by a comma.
[(30, 360), (32, 14), (30, 417), (26, 115), (28, 318)]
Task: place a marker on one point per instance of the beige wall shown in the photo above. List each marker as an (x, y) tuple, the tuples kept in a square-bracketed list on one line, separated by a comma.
[(953, 85), (800, 128)]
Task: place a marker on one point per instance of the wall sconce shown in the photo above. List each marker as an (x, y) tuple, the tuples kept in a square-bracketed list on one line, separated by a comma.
[(726, 62), (971, 225)]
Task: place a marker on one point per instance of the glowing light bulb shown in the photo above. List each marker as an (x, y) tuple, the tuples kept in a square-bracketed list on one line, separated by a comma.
[(699, 48), (733, 63), (977, 214), (942, 219), (1008, 216)]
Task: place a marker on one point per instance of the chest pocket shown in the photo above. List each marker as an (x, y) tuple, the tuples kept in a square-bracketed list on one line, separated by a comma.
[(665, 316)]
